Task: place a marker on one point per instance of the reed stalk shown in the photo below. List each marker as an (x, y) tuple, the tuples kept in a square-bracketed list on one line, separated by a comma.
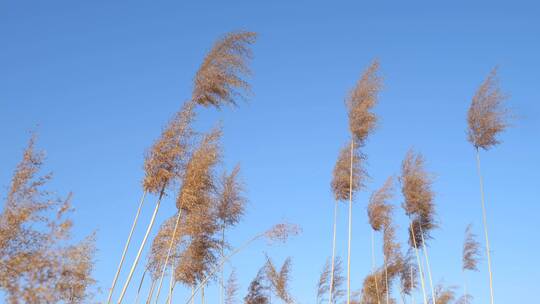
[(139, 253), (126, 246), (419, 265), (484, 219), (151, 292), (333, 255), (386, 279), (140, 285), (350, 226), (433, 294), (168, 254), (373, 263)]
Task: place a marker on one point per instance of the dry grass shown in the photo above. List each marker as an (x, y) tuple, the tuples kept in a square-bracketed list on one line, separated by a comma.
[(161, 244), (166, 159), (199, 184), (360, 102), (341, 182), (257, 290), (323, 285), (487, 116), (444, 295), (37, 262), (471, 250), (279, 280), (379, 211), (416, 187), (219, 79), (231, 289), (231, 199)]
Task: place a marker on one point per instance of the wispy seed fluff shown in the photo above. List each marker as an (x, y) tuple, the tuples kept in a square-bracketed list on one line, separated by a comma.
[(219, 79)]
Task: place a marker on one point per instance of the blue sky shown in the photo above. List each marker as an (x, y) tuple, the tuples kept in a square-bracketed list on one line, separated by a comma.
[(98, 80)]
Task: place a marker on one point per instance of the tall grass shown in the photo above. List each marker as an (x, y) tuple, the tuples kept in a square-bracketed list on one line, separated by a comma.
[(487, 118)]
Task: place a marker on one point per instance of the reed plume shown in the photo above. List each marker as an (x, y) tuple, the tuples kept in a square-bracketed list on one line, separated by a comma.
[(219, 78), (341, 182), (470, 258), (379, 211), (408, 275), (487, 118), (444, 295), (471, 250), (323, 285), (279, 280), (157, 258), (231, 289), (257, 290), (38, 262), (230, 207), (361, 100)]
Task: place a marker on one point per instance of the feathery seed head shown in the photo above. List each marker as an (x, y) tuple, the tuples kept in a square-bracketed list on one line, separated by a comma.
[(471, 250), (360, 102), (379, 211), (341, 180), (281, 232), (198, 184), (487, 117), (166, 158), (219, 78)]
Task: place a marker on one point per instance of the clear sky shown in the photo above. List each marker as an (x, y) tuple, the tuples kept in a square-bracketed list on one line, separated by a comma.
[(98, 80)]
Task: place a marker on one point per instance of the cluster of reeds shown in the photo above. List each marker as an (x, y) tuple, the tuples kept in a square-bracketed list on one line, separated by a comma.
[(487, 118), (38, 263), (191, 245)]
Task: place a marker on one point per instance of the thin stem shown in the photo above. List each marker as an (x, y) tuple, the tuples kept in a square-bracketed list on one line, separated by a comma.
[(419, 265), (221, 297), (350, 228), (126, 246), (386, 279), (373, 264), (433, 294), (413, 301), (151, 293), (168, 253), (484, 217), (333, 255), (202, 295), (140, 285), (139, 253)]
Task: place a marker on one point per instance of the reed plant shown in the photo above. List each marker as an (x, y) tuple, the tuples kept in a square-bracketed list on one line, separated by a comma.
[(39, 262), (487, 118)]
